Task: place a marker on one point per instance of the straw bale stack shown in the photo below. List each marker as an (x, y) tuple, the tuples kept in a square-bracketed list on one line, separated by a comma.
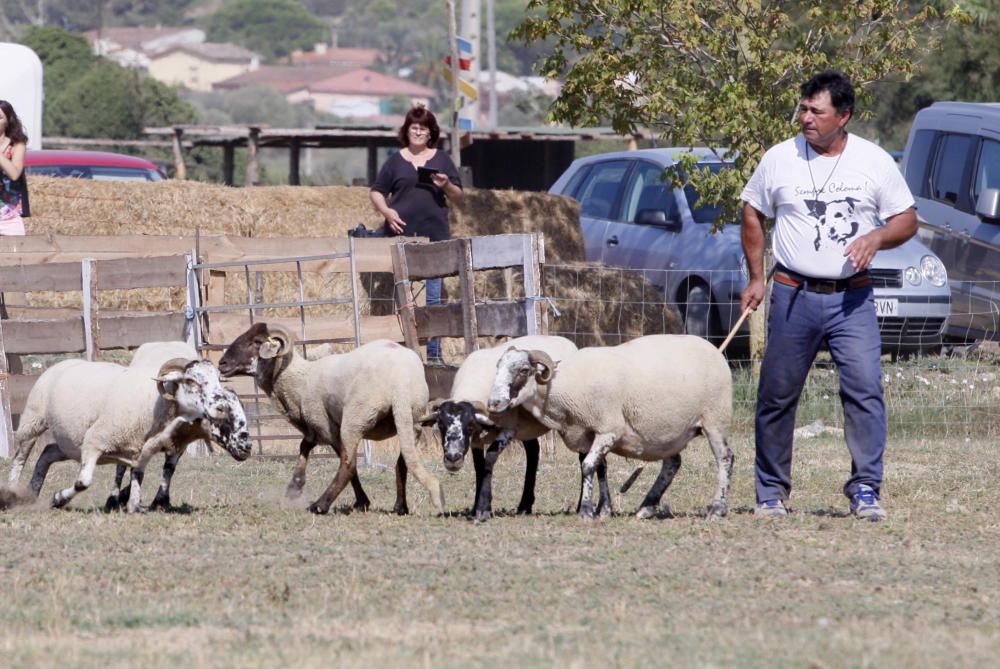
[(85, 207), (598, 306)]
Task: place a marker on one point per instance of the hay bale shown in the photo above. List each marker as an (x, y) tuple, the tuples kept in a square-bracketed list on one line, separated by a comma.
[(600, 306), (86, 207)]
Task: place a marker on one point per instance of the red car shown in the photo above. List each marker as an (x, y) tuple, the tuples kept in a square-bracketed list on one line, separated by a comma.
[(91, 165)]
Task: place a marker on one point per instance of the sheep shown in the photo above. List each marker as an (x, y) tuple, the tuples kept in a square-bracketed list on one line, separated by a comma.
[(464, 422), (643, 399), (100, 412), (376, 391), (152, 355)]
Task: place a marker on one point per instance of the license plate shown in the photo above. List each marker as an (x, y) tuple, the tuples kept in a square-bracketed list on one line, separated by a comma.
[(886, 306)]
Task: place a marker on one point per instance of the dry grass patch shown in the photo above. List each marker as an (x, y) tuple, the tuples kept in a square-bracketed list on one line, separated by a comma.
[(239, 577)]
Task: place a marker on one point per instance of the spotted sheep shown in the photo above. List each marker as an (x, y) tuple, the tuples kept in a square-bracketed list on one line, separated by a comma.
[(376, 391), (464, 422), (152, 355), (644, 399), (103, 413)]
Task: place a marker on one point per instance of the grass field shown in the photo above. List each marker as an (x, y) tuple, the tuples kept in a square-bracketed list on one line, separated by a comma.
[(241, 578)]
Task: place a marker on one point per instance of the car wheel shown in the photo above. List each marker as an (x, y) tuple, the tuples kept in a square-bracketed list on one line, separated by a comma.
[(699, 315)]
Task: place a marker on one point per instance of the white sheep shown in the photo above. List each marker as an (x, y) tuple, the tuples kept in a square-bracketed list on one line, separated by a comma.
[(152, 355), (376, 391), (100, 412), (644, 399), (464, 422)]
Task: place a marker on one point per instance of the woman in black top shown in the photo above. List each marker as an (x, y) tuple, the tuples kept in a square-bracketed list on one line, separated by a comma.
[(415, 207)]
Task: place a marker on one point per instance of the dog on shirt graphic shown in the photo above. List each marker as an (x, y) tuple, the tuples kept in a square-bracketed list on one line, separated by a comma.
[(836, 223)]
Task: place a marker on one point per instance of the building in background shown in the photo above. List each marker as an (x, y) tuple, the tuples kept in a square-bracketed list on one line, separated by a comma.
[(200, 65)]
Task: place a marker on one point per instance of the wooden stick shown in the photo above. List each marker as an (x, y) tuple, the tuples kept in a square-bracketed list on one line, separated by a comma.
[(732, 333)]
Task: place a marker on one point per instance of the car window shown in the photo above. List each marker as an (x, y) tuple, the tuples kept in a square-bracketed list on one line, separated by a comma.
[(100, 173), (920, 158), (988, 170), (575, 181), (648, 190), (948, 172), (703, 213), (599, 191)]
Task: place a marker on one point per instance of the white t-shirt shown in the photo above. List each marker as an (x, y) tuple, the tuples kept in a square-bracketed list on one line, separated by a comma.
[(821, 204)]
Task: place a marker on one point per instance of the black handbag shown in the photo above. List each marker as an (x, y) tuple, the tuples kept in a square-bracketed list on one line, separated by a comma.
[(362, 231)]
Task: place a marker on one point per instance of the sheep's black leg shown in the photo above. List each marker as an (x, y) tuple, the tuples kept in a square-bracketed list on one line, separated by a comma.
[(401, 506), (479, 462), (660, 485), (162, 499), (531, 449), (298, 481), (604, 503), (484, 502), (49, 455), (113, 503)]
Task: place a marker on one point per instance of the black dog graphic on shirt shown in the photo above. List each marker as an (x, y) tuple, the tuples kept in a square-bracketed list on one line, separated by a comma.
[(836, 222)]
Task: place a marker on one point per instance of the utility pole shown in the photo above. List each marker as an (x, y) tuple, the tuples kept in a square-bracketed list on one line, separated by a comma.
[(491, 61), (456, 150), (471, 29)]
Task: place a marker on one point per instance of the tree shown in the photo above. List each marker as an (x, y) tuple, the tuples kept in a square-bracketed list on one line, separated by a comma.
[(718, 73), (272, 28), (966, 67), (87, 96)]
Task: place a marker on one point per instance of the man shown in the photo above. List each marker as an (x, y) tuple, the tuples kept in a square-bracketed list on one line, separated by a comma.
[(826, 191)]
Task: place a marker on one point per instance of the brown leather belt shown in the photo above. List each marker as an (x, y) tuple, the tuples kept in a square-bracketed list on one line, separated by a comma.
[(796, 280)]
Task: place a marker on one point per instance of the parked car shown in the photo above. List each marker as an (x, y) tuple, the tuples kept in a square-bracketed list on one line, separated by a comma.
[(631, 218), (91, 165), (952, 165)]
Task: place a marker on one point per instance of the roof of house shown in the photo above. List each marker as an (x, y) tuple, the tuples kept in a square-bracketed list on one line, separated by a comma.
[(337, 55), (135, 38), (217, 51), (369, 82), (282, 78)]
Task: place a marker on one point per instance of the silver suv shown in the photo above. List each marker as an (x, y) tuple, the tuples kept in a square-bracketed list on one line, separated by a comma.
[(631, 218), (952, 165)]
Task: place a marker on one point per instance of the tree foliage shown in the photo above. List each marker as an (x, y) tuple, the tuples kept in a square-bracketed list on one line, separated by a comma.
[(272, 28), (718, 73), (87, 96)]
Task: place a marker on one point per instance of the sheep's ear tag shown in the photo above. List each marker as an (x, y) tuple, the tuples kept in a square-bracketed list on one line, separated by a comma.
[(270, 348)]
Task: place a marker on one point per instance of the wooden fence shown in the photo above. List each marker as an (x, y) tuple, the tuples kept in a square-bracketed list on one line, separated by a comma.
[(211, 319)]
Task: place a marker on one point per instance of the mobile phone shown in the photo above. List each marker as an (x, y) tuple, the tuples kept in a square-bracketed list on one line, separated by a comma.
[(424, 175)]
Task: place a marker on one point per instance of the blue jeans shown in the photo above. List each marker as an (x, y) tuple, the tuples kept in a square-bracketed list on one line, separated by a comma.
[(433, 288), (798, 323)]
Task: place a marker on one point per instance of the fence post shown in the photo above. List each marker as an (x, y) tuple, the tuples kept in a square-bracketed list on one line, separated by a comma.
[(88, 279)]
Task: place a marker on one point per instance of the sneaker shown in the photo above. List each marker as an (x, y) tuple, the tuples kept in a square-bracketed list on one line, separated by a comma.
[(774, 508), (864, 504)]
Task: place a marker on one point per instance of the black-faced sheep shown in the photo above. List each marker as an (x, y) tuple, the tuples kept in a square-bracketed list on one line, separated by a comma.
[(464, 422), (373, 392), (644, 399)]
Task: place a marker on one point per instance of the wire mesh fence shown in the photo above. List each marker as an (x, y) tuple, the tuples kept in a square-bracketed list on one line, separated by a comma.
[(941, 375)]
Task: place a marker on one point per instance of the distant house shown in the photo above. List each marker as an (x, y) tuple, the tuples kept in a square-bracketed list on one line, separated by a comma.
[(131, 47), (362, 93), (200, 65), (285, 79), (323, 54)]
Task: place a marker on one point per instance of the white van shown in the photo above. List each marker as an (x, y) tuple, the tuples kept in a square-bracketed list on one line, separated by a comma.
[(952, 165)]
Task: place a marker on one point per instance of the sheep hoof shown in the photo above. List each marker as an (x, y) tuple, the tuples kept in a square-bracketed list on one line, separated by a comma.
[(400, 509), (361, 505), (112, 504), (586, 515), (138, 508), (58, 501), (717, 510), (318, 508), (646, 512), (524, 509), (293, 491), (483, 516), (161, 504)]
